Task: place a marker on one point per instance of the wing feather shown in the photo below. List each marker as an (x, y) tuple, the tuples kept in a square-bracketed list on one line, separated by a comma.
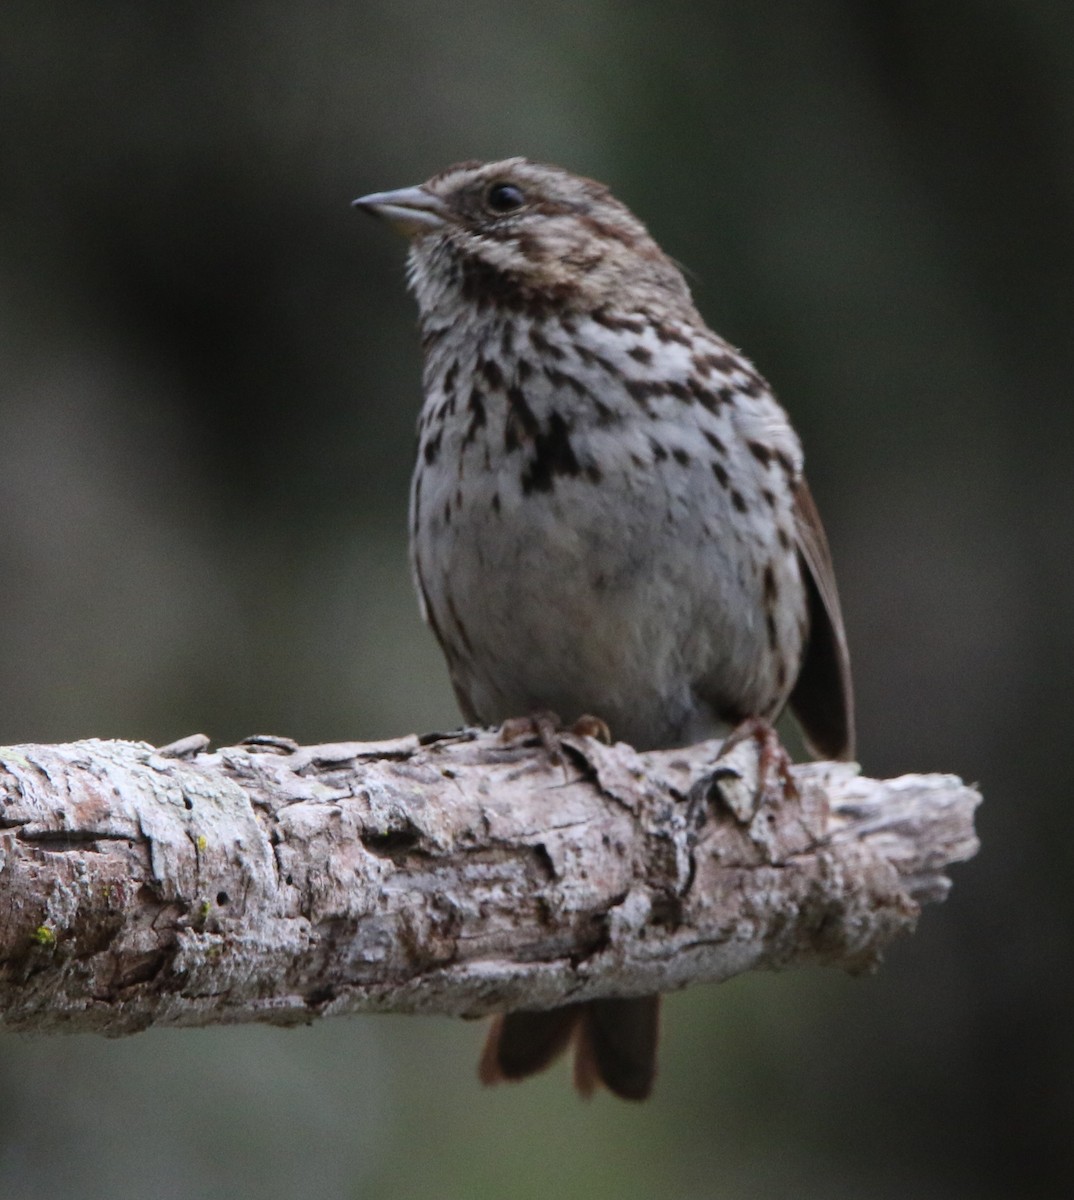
[(823, 697)]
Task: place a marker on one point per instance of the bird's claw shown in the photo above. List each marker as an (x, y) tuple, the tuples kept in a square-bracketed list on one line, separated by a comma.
[(745, 795), (547, 728)]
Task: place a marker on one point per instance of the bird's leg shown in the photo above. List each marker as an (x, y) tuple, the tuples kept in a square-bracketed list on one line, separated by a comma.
[(773, 762)]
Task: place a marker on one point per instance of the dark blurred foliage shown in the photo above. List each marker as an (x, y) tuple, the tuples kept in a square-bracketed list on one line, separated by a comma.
[(208, 383)]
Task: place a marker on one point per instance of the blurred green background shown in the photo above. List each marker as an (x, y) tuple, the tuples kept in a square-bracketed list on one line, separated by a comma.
[(209, 378)]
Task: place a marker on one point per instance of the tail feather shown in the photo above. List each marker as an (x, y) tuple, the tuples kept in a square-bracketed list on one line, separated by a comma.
[(523, 1043), (615, 1045)]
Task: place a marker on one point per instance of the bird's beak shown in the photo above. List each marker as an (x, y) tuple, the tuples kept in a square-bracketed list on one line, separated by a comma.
[(411, 211)]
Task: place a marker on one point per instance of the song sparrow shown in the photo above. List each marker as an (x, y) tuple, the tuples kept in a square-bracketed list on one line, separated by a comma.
[(608, 514)]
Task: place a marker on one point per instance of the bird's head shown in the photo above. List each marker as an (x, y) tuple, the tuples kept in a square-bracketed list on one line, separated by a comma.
[(525, 234)]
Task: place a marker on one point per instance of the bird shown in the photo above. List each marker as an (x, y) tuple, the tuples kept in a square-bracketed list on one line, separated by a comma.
[(608, 513)]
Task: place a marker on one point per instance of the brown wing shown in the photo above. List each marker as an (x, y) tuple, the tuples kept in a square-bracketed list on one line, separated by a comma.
[(823, 699)]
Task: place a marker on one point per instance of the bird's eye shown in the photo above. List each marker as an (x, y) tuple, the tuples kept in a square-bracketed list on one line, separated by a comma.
[(504, 197)]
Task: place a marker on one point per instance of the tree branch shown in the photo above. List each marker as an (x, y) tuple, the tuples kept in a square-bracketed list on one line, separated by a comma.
[(451, 874)]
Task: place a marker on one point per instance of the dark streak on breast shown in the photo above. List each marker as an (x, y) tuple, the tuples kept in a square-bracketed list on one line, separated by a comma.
[(542, 345), (668, 333), (617, 323), (476, 409), (561, 379), (490, 368), (519, 424), (553, 455)]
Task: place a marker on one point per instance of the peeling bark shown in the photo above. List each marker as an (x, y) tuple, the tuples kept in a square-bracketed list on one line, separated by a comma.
[(450, 874)]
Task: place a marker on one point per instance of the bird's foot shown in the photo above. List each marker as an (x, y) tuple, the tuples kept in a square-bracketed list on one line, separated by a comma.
[(548, 729), (588, 725), (544, 726), (757, 767)]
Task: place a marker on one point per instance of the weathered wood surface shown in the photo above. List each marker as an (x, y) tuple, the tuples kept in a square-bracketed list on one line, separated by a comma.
[(451, 874)]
